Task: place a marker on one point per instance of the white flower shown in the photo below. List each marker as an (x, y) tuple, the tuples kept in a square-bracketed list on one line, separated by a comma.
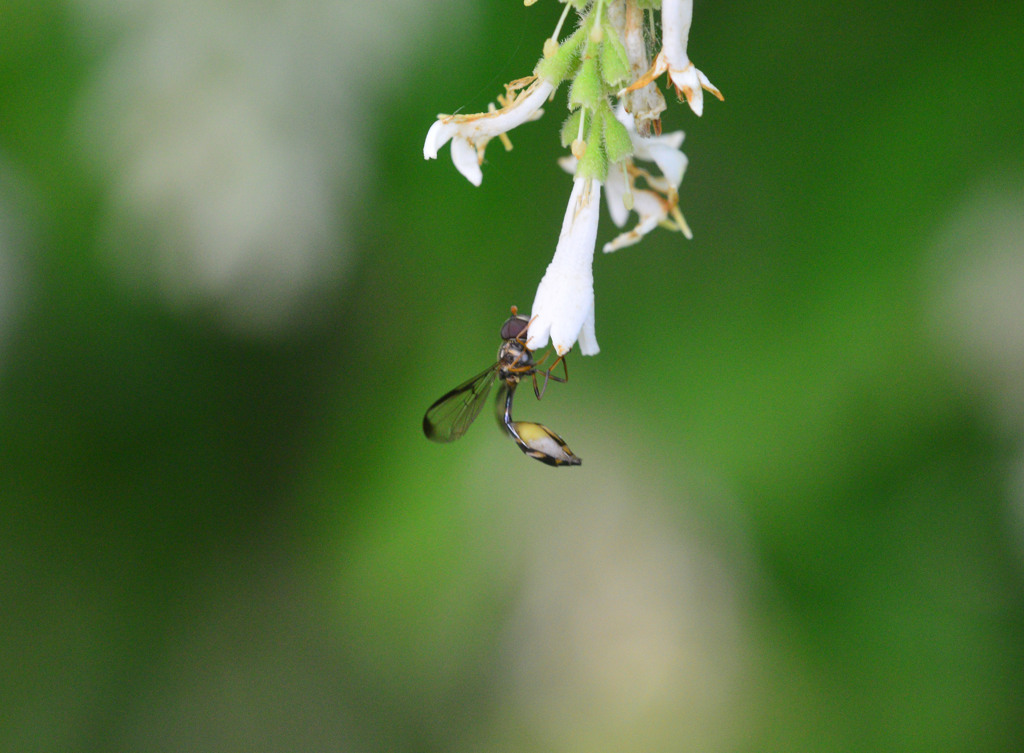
[(469, 134), (676, 16), (653, 209), (564, 305), (655, 204)]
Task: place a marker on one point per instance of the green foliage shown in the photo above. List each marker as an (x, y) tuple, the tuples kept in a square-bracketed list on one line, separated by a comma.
[(209, 535)]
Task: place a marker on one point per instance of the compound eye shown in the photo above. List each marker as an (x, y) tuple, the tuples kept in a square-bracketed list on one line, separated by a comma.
[(514, 327)]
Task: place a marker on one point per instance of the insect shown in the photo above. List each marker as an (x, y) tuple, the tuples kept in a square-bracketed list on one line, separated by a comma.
[(451, 415)]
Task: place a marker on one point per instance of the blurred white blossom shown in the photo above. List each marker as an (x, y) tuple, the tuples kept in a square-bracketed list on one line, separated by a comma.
[(628, 626), (228, 138)]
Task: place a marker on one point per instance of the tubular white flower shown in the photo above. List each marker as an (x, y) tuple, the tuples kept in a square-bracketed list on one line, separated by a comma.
[(469, 134), (563, 308), (689, 82)]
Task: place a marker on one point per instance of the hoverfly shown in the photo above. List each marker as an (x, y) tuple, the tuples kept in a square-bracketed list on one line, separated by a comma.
[(451, 415)]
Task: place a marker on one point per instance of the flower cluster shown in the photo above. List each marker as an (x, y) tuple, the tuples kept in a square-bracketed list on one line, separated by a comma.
[(614, 122)]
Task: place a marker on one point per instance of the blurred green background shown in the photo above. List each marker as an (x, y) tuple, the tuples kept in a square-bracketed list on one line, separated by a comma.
[(230, 285)]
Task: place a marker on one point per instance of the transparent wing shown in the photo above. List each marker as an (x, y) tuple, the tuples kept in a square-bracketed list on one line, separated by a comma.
[(448, 418)]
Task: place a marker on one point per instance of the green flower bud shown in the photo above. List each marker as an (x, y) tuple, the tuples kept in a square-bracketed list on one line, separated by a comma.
[(587, 89), (594, 163), (617, 143), (614, 61)]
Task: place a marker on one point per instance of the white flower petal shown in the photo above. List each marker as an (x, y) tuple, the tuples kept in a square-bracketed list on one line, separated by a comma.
[(438, 135), (588, 340), (669, 160), (645, 145), (684, 77), (467, 160), (615, 191), (652, 209)]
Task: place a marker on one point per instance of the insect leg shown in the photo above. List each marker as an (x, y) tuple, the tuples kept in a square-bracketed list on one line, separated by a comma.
[(548, 375)]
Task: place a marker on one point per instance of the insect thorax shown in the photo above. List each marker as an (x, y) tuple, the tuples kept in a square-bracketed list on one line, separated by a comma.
[(515, 360)]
